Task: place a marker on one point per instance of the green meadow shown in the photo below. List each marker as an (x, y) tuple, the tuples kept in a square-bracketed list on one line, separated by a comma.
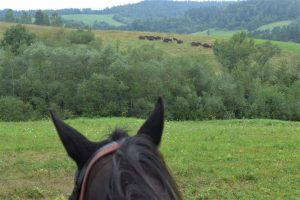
[(219, 32), (234, 159), (274, 24), (89, 19), (289, 46), (125, 40)]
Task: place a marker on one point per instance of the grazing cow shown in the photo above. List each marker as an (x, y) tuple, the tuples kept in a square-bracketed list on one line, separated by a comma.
[(150, 37), (205, 45), (157, 37), (179, 41), (194, 44), (142, 37), (167, 40)]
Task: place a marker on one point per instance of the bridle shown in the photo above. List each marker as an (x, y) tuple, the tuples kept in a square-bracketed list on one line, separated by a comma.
[(81, 182)]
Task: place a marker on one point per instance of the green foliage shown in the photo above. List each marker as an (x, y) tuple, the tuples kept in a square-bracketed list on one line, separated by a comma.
[(41, 18), (238, 49), (265, 51), (25, 18), (14, 109), (9, 16), (239, 15), (274, 24), (17, 37), (90, 19), (82, 36), (283, 33), (102, 96), (84, 79), (246, 14), (56, 20)]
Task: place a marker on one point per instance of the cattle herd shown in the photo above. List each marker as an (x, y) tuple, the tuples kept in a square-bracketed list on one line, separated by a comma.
[(178, 41)]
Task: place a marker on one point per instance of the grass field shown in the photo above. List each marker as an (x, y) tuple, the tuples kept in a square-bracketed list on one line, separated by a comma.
[(89, 19), (235, 159), (219, 32), (275, 24), (126, 40), (290, 46)]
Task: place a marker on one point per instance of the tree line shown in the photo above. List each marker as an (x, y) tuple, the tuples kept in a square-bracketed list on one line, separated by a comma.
[(179, 17), (78, 76), (285, 33), (39, 18)]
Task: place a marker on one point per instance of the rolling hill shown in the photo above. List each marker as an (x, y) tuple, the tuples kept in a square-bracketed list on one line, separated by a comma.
[(89, 19), (128, 39), (274, 24)]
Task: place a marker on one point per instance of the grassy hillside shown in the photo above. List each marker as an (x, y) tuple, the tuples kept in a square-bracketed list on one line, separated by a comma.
[(89, 19), (218, 32), (223, 34), (275, 24), (128, 39), (238, 159), (289, 46)]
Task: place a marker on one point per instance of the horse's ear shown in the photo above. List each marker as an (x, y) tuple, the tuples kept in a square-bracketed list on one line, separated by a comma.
[(154, 125), (78, 147)]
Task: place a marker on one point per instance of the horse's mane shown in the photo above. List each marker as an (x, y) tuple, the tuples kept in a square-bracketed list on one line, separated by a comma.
[(139, 171)]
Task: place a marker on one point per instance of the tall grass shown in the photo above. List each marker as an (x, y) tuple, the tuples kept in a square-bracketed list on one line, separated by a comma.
[(89, 19)]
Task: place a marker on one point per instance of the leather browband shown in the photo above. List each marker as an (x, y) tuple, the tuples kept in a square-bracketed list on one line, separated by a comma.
[(107, 149)]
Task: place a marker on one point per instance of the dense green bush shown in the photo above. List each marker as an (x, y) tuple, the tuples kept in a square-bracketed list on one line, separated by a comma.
[(16, 37), (14, 109), (80, 80), (82, 36)]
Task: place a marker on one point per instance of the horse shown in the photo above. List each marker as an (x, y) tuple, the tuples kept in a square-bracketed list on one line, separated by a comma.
[(121, 167)]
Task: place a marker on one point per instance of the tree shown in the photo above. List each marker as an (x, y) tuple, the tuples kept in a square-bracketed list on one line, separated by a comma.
[(17, 36), (13, 109), (9, 16), (41, 18), (265, 52), (239, 48), (56, 20), (82, 36), (26, 18)]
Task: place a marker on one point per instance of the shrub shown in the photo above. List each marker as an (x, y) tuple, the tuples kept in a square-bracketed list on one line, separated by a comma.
[(13, 109), (17, 36), (82, 36)]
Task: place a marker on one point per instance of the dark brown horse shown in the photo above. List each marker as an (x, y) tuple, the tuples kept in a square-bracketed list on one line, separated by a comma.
[(120, 167)]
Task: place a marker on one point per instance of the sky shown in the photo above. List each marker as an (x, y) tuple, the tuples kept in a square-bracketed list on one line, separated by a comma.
[(57, 4)]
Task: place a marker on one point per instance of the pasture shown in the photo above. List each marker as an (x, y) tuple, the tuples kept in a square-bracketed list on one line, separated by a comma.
[(89, 19), (219, 32), (234, 159), (125, 40), (274, 24)]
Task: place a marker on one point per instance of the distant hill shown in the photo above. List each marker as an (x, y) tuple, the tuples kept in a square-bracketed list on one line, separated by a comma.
[(249, 14), (184, 16), (127, 14), (274, 25), (90, 19), (157, 9)]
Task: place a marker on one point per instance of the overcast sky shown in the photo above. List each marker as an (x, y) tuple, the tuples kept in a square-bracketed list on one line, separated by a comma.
[(57, 4)]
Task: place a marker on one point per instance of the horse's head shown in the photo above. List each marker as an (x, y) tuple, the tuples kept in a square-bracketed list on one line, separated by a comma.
[(120, 167)]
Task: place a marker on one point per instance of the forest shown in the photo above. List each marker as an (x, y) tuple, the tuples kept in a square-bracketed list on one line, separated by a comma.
[(289, 33), (179, 17), (76, 74)]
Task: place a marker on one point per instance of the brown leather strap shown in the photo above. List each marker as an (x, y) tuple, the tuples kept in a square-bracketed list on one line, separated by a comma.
[(109, 148)]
